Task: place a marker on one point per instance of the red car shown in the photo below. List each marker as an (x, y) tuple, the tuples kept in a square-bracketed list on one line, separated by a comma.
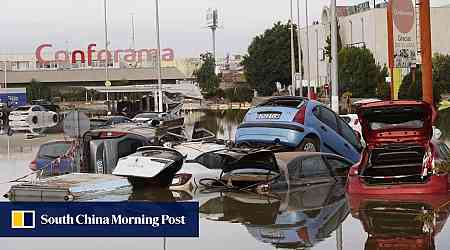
[(400, 156)]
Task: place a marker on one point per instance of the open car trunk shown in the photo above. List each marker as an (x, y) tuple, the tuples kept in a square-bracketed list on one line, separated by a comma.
[(395, 164), (397, 134)]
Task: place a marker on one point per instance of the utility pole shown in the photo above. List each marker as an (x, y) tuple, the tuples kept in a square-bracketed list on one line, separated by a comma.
[(317, 59), (307, 50), (158, 60), (292, 50), (299, 49), (334, 60), (212, 22), (106, 52), (425, 41)]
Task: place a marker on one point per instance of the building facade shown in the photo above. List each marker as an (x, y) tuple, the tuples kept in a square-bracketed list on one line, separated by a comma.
[(362, 27)]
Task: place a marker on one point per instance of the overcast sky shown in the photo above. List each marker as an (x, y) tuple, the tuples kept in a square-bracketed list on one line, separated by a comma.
[(27, 23)]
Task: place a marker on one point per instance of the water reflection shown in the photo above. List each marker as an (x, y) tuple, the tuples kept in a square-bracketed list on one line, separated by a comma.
[(290, 219), (401, 223), (221, 122)]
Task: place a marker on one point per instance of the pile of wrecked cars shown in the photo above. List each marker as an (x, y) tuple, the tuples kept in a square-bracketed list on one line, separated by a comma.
[(277, 147)]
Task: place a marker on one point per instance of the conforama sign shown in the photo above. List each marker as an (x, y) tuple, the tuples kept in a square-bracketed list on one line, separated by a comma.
[(128, 55)]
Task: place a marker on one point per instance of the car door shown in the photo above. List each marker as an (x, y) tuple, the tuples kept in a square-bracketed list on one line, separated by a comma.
[(328, 130), (351, 144)]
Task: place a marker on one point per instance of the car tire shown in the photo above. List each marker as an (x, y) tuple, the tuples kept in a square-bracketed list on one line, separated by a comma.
[(34, 120), (309, 145)]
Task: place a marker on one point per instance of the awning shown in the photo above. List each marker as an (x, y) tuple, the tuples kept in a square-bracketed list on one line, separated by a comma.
[(185, 89)]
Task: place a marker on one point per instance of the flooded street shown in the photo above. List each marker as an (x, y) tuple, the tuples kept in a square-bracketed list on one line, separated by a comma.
[(315, 217)]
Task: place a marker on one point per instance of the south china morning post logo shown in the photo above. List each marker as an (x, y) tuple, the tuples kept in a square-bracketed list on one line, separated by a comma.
[(23, 219), (105, 219)]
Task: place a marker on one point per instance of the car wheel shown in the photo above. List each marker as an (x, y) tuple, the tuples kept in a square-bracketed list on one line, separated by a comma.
[(34, 120), (309, 145)]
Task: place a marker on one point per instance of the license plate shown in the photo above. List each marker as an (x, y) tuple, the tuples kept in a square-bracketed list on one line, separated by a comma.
[(268, 116)]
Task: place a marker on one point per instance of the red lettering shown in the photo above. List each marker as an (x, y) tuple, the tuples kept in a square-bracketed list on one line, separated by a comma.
[(117, 55), (39, 53), (74, 56), (90, 51), (168, 55), (130, 57), (60, 53), (150, 54), (101, 55)]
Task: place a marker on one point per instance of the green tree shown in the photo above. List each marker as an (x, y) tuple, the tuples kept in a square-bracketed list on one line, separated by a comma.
[(441, 70), (383, 90), (206, 76), (269, 59), (411, 87), (36, 90), (359, 73), (327, 48)]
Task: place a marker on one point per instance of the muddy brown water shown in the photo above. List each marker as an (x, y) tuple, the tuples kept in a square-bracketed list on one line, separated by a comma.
[(318, 217)]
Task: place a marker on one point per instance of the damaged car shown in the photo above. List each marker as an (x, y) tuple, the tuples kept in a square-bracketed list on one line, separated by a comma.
[(400, 157)]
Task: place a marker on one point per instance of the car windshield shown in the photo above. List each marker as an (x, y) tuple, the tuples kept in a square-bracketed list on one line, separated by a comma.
[(54, 150), (24, 108)]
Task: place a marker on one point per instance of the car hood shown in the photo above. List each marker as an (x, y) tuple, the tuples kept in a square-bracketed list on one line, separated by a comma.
[(396, 122)]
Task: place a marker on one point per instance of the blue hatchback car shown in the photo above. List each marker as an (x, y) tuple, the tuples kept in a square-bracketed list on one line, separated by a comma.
[(299, 124)]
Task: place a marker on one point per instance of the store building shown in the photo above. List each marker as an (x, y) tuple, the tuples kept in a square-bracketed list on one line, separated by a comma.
[(362, 25)]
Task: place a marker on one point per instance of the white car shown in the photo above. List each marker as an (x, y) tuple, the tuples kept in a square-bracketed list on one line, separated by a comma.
[(353, 121), (32, 116), (199, 164)]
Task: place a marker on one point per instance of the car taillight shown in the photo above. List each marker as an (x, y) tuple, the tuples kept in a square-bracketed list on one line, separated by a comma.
[(181, 179), (300, 116), (33, 165), (353, 172), (106, 135)]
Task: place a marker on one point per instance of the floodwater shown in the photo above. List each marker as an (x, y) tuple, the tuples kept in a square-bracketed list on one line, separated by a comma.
[(314, 217)]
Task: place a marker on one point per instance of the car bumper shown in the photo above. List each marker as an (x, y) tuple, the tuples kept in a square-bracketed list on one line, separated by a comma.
[(435, 185), (269, 133)]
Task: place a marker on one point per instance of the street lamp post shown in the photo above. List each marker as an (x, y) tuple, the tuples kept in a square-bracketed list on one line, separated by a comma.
[(334, 60), (106, 51), (299, 49), (158, 60), (307, 49), (292, 51), (5, 82)]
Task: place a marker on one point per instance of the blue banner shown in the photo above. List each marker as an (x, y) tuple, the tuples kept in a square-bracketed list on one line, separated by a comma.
[(99, 219)]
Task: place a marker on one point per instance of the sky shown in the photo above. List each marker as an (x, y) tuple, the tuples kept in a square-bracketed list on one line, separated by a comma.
[(73, 24)]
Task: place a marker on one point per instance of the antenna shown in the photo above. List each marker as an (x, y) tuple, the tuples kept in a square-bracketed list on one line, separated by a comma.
[(212, 22)]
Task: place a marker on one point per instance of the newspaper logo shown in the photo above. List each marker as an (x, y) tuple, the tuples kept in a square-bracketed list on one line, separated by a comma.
[(22, 219)]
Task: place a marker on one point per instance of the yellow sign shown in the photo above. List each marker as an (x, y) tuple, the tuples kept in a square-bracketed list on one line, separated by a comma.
[(397, 82)]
